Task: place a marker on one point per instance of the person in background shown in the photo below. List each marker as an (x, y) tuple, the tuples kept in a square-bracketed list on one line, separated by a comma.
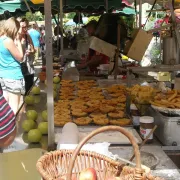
[(83, 38), (94, 59), (7, 123), (42, 38), (35, 36), (11, 54), (28, 48)]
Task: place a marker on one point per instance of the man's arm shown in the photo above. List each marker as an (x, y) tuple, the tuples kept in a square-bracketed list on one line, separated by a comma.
[(94, 61)]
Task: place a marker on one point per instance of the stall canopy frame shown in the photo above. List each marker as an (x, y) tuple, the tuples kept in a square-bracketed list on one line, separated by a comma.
[(14, 6)]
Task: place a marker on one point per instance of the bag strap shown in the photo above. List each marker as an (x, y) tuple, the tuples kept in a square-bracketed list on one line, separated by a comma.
[(26, 39)]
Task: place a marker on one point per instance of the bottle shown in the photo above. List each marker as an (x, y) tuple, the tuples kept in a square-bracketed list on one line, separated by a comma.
[(172, 84)]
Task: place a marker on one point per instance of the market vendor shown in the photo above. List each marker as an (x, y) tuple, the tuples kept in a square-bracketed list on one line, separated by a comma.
[(94, 58), (93, 61)]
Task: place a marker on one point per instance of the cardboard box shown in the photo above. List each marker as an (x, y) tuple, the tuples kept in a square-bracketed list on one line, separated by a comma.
[(136, 48), (103, 47)]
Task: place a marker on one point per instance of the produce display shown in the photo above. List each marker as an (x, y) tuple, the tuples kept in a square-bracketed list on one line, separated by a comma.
[(84, 103), (32, 129), (169, 99), (36, 90)]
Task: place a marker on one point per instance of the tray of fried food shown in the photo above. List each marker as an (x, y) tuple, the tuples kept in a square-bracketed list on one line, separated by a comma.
[(77, 104), (64, 91), (67, 83), (82, 121), (116, 89), (67, 97), (83, 85), (116, 114), (62, 103), (87, 96), (99, 118), (77, 107), (78, 112), (120, 122), (142, 94), (167, 102), (61, 119)]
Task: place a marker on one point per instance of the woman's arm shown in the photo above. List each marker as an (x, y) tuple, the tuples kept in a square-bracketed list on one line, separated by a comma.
[(32, 50), (15, 50)]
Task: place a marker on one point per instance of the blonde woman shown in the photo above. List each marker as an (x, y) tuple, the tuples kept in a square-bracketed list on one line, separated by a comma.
[(11, 54), (1, 26)]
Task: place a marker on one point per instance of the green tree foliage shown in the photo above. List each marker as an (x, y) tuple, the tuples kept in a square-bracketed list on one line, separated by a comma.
[(37, 16), (93, 18), (70, 15)]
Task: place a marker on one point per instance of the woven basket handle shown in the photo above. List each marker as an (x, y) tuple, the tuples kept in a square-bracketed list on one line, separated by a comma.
[(100, 130)]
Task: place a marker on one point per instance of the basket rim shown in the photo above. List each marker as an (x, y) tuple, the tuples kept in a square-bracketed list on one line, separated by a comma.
[(42, 159)]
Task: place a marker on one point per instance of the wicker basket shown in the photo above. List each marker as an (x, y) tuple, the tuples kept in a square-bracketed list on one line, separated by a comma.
[(54, 165)]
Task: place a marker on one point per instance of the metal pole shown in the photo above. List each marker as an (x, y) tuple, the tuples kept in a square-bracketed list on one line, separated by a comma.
[(140, 13), (49, 76), (117, 51), (58, 30), (174, 23), (107, 6), (61, 22)]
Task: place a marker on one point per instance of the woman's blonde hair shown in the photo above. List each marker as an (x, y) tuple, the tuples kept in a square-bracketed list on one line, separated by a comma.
[(11, 27), (2, 27)]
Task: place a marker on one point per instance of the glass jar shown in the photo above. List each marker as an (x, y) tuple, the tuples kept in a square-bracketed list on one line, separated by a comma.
[(135, 115), (146, 126)]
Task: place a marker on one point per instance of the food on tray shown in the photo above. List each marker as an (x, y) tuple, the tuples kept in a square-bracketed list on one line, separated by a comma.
[(106, 108), (61, 122), (120, 122), (98, 114), (142, 94), (65, 97), (89, 109), (62, 111), (99, 120), (116, 115), (84, 102), (93, 103), (169, 99), (78, 113), (83, 121), (116, 89)]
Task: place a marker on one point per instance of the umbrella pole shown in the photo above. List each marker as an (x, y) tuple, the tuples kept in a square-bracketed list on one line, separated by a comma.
[(117, 50), (49, 74), (107, 6), (61, 21), (58, 30), (140, 14)]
